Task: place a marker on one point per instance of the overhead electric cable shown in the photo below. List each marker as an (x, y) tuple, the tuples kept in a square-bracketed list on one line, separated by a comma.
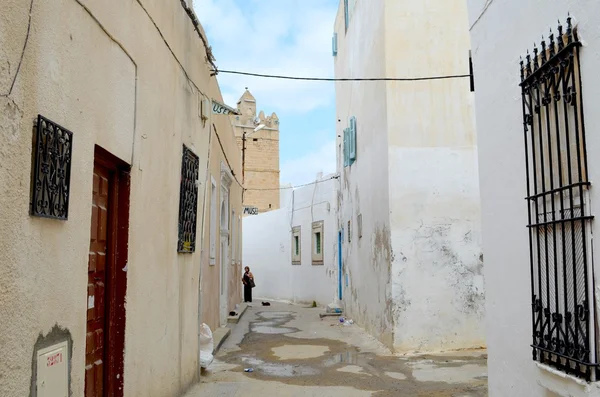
[(297, 186), (271, 76)]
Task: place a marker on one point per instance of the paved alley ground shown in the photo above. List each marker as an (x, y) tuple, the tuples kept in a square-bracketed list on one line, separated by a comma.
[(294, 353)]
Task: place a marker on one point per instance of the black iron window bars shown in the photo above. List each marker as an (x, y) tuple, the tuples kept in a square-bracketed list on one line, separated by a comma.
[(563, 311), (51, 171), (188, 201)]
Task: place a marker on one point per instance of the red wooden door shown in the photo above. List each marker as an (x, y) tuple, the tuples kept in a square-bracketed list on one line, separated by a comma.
[(95, 357)]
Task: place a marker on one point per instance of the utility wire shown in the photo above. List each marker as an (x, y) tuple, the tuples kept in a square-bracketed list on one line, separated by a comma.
[(297, 186), (227, 159), (271, 76)]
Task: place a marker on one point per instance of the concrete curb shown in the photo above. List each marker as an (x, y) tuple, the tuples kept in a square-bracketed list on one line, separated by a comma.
[(221, 334), (236, 319), (219, 337), (322, 315)]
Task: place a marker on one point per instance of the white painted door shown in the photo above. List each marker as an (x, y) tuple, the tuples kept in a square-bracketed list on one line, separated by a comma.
[(224, 280)]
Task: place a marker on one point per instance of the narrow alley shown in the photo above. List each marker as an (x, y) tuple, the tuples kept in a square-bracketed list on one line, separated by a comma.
[(292, 352), (328, 198)]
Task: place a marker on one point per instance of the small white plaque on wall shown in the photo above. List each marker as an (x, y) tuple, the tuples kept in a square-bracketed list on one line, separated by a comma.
[(53, 371)]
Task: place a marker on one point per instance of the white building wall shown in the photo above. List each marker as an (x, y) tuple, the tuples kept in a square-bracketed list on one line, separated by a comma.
[(437, 267), (497, 46), (267, 247), (367, 296), (415, 178)]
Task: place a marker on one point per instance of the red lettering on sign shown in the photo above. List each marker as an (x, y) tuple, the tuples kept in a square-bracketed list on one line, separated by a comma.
[(54, 359)]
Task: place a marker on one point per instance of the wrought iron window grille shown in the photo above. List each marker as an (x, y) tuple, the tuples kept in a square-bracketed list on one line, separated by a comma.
[(51, 170), (563, 310), (188, 201)]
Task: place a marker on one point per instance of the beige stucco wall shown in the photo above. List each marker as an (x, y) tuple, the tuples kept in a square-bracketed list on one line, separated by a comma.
[(261, 162), (102, 70), (227, 155)]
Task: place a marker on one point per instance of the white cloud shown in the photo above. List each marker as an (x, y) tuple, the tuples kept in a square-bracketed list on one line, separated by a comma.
[(304, 169), (286, 37)]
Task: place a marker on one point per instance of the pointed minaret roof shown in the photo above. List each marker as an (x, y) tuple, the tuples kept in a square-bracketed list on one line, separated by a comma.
[(247, 97)]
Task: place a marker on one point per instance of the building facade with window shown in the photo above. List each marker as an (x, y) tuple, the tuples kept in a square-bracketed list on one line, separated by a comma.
[(221, 283), (536, 105), (257, 136), (409, 217), (103, 162), (293, 251)]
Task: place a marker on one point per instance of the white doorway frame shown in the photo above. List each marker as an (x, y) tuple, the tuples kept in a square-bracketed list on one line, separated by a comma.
[(225, 221)]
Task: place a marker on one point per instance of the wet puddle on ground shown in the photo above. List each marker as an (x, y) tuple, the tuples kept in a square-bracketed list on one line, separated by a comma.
[(395, 375), (299, 352), (428, 371), (271, 323), (272, 355), (279, 370), (348, 357), (353, 369)]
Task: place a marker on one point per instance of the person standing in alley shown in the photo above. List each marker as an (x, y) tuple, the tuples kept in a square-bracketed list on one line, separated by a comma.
[(248, 281)]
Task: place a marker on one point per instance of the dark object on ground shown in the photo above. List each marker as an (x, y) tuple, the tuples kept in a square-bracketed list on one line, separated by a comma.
[(266, 304), (314, 304), (232, 314)]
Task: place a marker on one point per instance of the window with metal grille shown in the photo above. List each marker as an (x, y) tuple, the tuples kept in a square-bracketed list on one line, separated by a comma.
[(349, 231), (188, 201), (296, 250), (51, 171), (563, 312), (318, 242)]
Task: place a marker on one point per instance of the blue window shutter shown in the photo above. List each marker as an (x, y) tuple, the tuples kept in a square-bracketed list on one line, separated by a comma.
[(346, 147), (346, 14), (334, 45), (352, 151)]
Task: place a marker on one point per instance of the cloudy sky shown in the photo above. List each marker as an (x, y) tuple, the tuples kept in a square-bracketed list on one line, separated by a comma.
[(289, 37)]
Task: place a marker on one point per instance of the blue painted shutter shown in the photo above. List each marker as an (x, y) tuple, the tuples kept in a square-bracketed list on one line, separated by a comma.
[(334, 45), (346, 146), (352, 149), (346, 14)]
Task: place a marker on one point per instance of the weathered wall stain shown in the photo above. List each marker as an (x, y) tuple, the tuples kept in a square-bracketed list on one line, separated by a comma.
[(440, 261)]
